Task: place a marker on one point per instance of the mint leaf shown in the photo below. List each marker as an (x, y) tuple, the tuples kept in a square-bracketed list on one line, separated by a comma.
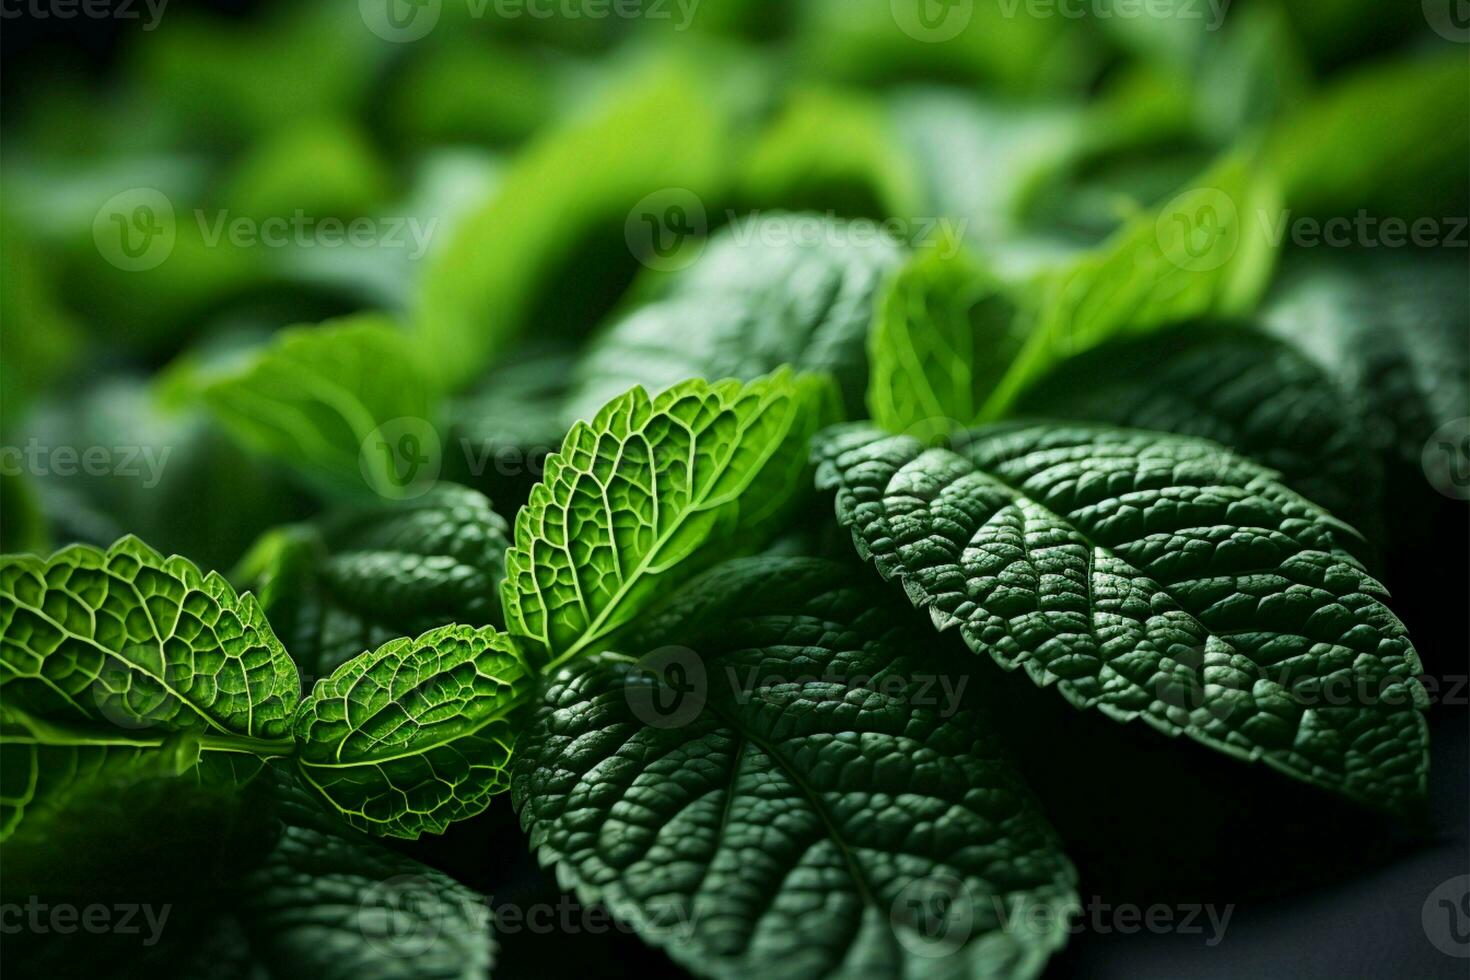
[(1393, 332), (770, 290), (806, 809), (416, 734), (348, 403), (1150, 576), (944, 334), (1390, 138), (1235, 386), (1202, 253), (329, 901), (571, 188), (358, 578), (648, 487), (129, 638)]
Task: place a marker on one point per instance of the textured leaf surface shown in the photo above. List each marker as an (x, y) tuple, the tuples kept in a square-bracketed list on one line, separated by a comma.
[(414, 735), (1393, 331), (128, 637), (1150, 576), (650, 486), (330, 903), (773, 290), (356, 580), (818, 814), (944, 335), (317, 396), (1234, 386)]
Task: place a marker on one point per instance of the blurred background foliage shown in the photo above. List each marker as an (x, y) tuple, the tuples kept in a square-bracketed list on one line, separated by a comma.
[(518, 146)]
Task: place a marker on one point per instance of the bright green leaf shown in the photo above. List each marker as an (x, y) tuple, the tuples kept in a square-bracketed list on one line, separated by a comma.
[(649, 488), (416, 734)]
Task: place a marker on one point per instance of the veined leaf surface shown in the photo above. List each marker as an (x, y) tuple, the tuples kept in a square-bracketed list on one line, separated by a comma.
[(1150, 576), (796, 799), (416, 734)]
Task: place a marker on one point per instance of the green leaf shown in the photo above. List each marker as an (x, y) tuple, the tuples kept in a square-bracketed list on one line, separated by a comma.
[(416, 734), (651, 487), (348, 404), (1393, 331), (1203, 253), (832, 150), (769, 290), (573, 187), (129, 638), (1391, 138), (1150, 576), (1235, 386), (944, 335), (356, 579), (328, 901), (789, 795)]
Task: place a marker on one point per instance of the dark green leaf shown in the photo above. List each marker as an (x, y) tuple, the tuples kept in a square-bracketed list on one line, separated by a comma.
[(1150, 576), (796, 799)]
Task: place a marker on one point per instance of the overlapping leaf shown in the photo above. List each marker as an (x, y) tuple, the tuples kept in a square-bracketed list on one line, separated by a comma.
[(357, 579), (649, 487), (792, 800), (416, 734), (1150, 576)]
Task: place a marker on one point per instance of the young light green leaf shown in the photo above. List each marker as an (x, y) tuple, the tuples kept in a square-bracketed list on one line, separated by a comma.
[(1203, 253), (348, 403), (650, 487), (779, 788), (1150, 576), (944, 334), (361, 577), (127, 638), (573, 186), (416, 734), (770, 290)]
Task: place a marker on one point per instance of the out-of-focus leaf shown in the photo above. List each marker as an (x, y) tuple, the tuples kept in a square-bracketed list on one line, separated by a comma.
[(768, 290), (349, 403), (565, 209), (1392, 138)]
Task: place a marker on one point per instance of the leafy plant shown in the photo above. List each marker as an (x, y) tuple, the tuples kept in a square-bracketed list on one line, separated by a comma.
[(732, 594)]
